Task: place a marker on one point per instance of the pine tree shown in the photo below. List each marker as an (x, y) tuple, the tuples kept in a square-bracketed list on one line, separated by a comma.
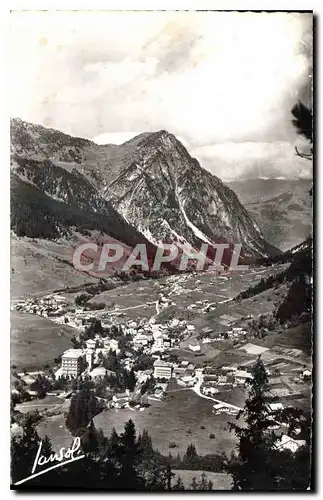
[(303, 121), (191, 453), (103, 443), (203, 484), (193, 486), (145, 446), (24, 449), (179, 486), (130, 380), (47, 448), (83, 408), (255, 469), (128, 457), (169, 477), (114, 439), (89, 439)]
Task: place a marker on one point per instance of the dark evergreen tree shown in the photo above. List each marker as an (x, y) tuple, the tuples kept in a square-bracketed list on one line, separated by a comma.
[(191, 453), (303, 120), (256, 441), (129, 451), (83, 407), (193, 486), (130, 380), (145, 446), (90, 439), (210, 485), (23, 451), (169, 476), (179, 486), (203, 483), (47, 448), (260, 465)]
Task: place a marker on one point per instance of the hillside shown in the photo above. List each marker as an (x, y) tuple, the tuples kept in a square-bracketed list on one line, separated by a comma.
[(282, 208), (138, 191)]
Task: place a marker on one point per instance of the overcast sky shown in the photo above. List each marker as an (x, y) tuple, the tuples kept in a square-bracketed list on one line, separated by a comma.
[(223, 83)]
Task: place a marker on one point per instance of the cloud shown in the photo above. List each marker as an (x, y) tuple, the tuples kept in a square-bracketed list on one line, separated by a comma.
[(234, 160), (114, 137), (208, 77)]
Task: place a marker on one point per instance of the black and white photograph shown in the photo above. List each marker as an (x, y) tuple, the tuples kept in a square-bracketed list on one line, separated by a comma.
[(161, 250)]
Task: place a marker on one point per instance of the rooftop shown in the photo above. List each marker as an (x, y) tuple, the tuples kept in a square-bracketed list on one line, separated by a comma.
[(99, 371), (288, 443), (243, 374), (73, 353), (160, 362), (219, 405), (275, 406)]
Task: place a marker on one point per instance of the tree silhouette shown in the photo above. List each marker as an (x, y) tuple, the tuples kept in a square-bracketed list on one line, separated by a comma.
[(303, 121), (260, 465)]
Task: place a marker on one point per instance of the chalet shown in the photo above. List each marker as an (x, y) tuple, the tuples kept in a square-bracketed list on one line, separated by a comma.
[(98, 373), (220, 408), (229, 369), (306, 374), (194, 346), (121, 397), (275, 407), (288, 443), (242, 376), (90, 344), (188, 380), (222, 379), (140, 340), (179, 371), (209, 391)]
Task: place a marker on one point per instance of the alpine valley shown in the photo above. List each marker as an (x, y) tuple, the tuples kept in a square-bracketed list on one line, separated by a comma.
[(147, 190)]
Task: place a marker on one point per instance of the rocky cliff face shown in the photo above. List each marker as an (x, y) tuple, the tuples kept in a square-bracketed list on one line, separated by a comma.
[(51, 196), (149, 188), (167, 195)]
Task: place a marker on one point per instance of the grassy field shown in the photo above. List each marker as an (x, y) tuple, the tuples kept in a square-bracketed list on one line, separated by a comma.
[(181, 411), (36, 341), (54, 428), (48, 402), (298, 337), (42, 265)]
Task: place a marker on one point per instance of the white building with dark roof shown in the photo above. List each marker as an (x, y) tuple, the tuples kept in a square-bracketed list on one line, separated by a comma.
[(73, 362), (241, 376), (162, 369)]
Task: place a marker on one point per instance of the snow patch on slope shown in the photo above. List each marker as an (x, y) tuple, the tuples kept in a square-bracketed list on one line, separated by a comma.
[(147, 234), (190, 224), (179, 239)]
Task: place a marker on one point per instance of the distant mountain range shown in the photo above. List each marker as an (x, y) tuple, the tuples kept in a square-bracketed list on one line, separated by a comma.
[(148, 189), (282, 208)]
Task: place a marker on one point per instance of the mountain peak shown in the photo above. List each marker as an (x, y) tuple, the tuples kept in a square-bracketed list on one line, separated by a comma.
[(150, 180)]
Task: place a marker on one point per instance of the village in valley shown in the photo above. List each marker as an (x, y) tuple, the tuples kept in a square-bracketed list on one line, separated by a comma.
[(146, 344)]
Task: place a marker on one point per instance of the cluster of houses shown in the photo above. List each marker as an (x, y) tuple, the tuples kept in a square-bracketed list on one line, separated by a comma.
[(150, 336), (76, 361), (50, 306), (163, 302), (202, 306), (225, 377), (184, 372)]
